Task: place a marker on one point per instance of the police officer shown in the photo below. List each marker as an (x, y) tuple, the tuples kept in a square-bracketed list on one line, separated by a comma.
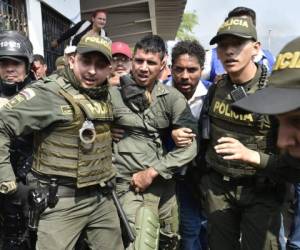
[(70, 116), (15, 59), (242, 204), (281, 98), (145, 109)]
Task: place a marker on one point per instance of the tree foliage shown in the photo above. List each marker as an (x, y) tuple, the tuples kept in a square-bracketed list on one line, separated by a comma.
[(185, 30)]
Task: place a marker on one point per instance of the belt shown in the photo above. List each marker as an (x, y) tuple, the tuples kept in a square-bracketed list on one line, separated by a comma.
[(70, 191), (66, 186), (237, 181)]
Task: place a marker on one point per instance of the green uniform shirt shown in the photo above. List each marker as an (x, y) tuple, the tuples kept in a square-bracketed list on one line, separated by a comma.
[(34, 108), (142, 145)]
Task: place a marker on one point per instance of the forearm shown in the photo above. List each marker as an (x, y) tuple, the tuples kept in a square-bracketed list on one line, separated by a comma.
[(175, 159)]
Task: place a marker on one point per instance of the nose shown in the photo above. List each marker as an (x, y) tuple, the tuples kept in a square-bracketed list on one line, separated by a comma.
[(185, 75), (92, 69), (9, 67), (144, 66), (286, 135)]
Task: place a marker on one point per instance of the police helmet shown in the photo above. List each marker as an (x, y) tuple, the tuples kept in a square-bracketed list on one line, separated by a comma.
[(15, 46)]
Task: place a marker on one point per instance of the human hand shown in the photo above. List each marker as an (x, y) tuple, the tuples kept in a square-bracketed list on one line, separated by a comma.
[(233, 149), (183, 137), (142, 180), (117, 134)]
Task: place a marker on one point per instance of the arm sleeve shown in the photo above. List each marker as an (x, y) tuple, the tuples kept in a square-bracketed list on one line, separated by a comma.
[(181, 117), (285, 168), (33, 109), (70, 32)]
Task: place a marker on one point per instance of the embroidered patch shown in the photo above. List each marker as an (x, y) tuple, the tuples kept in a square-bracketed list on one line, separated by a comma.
[(28, 93), (66, 110), (15, 101)]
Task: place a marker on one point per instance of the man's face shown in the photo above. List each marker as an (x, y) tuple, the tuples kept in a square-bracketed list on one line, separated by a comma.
[(91, 69), (289, 133), (39, 70), (12, 71), (186, 73), (121, 64), (99, 20), (146, 68), (236, 53)]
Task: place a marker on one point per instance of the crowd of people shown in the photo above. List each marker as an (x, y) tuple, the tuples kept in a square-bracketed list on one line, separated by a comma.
[(116, 149)]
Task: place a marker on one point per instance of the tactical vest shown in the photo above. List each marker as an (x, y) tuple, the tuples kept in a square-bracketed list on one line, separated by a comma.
[(253, 130), (59, 151)]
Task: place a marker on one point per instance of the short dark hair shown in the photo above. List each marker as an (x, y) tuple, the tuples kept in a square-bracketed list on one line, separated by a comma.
[(243, 11), (192, 48), (39, 58), (153, 44), (94, 14)]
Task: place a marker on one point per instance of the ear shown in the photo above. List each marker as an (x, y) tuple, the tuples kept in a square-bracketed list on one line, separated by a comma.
[(256, 46), (71, 61)]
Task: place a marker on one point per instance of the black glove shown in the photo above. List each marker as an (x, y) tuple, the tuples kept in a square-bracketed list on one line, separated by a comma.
[(133, 94)]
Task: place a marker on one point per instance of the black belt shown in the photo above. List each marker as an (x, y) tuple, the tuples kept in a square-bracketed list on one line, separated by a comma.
[(67, 186), (238, 181), (70, 191)]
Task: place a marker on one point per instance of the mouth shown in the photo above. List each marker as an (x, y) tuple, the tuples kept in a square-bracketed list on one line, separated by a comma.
[(10, 77), (184, 86), (89, 81), (143, 78), (230, 62)]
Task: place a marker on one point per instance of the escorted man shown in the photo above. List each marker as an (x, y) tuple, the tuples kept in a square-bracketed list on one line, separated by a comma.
[(282, 98), (146, 109), (121, 62), (242, 204), (15, 60), (187, 65), (70, 116)]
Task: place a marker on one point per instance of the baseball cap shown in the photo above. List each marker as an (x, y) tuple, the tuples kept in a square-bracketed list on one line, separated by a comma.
[(121, 48), (236, 26), (283, 91), (60, 61), (95, 43)]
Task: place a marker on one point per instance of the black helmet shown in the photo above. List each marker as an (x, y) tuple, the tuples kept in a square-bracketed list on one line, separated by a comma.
[(15, 45)]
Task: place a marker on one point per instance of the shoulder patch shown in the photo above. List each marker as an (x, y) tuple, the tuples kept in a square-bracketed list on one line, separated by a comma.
[(24, 95), (28, 93), (66, 109)]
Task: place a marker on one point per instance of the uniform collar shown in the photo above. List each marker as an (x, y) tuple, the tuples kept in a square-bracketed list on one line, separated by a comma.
[(160, 89)]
